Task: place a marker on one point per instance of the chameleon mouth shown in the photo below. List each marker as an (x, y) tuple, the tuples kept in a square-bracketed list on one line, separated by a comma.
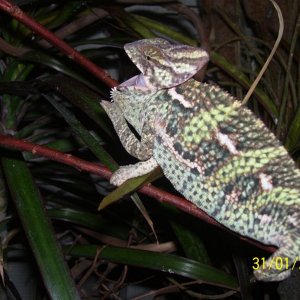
[(138, 82)]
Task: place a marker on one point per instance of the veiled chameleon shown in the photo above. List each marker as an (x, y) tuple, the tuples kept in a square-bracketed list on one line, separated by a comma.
[(213, 150)]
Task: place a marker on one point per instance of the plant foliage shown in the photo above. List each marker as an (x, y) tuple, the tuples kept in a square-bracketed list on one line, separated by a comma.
[(49, 208)]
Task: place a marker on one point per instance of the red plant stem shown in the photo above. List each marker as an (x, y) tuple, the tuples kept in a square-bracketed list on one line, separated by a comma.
[(65, 158), (149, 190), (18, 14)]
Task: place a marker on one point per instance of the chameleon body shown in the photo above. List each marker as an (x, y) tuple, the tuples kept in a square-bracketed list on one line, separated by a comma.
[(213, 150)]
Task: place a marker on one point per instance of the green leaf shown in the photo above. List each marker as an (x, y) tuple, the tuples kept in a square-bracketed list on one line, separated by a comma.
[(12, 105), (165, 30), (59, 16), (56, 64), (40, 234), (129, 186), (91, 221), (156, 261), (84, 134), (82, 97), (294, 132), (189, 239), (131, 22)]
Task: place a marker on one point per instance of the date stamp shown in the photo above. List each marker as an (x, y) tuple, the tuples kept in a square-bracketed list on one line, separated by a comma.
[(279, 263)]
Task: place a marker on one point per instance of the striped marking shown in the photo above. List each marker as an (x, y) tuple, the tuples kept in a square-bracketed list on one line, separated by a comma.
[(265, 182), (265, 219), (224, 140), (174, 95), (204, 123), (168, 142), (294, 219), (278, 195), (248, 162)]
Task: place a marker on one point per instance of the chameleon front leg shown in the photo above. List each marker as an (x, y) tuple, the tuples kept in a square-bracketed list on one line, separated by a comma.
[(138, 149), (131, 171)]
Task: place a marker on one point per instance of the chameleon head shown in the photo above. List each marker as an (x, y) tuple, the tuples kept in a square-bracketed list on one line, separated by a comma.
[(164, 65)]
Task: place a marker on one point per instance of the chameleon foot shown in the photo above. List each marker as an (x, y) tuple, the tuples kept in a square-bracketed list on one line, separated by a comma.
[(131, 171)]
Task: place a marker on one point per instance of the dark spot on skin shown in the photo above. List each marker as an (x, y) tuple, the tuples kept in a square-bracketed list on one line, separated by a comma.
[(188, 155), (236, 211), (227, 130), (195, 171), (178, 90), (228, 189), (216, 212), (190, 179), (247, 159), (266, 211), (177, 146), (208, 171), (256, 221), (221, 201), (246, 211), (250, 230), (213, 184), (171, 129)]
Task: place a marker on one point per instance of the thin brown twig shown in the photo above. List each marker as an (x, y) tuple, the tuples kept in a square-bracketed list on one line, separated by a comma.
[(90, 271), (12, 50), (176, 287)]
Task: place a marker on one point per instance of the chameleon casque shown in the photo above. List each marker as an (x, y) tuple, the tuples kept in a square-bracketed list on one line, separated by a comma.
[(213, 150)]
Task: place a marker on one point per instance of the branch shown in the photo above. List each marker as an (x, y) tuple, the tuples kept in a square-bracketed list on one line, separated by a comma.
[(149, 190), (73, 54)]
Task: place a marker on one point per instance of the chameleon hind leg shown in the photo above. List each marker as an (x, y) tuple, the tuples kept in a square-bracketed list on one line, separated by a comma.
[(281, 263)]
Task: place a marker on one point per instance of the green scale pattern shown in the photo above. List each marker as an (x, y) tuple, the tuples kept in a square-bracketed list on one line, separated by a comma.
[(227, 186)]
